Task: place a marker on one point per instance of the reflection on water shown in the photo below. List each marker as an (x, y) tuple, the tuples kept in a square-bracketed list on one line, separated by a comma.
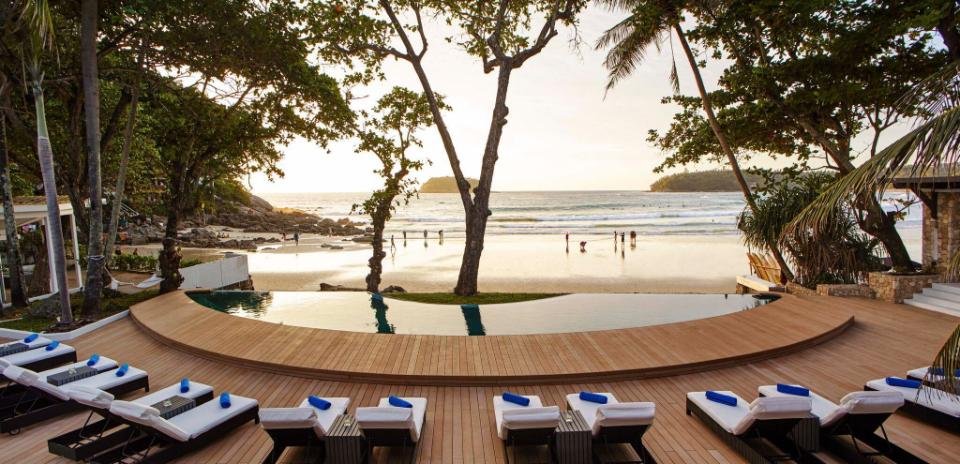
[(351, 311), (471, 315)]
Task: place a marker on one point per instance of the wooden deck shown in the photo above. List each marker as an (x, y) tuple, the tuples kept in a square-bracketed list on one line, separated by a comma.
[(774, 329), (885, 340)]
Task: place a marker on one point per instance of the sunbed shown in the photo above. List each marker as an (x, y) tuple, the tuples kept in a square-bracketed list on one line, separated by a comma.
[(921, 374), (529, 424), (859, 415), (95, 437), (52, 354), (306, 425), (752, 429), (388, 424), (613, 422), (13, 391), (154, 439), (43, 400), (929, 404), (30, 342)]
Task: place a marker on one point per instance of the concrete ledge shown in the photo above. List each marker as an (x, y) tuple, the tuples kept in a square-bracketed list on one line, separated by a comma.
[(65, 336)]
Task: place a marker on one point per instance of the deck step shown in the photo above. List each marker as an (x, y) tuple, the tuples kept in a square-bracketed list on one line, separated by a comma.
[(931, 307), (941, 295), (932, 300), (949, 288)]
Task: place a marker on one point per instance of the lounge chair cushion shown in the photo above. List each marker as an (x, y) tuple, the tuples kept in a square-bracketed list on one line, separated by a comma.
[(938, 401), (738, 419), (148, 416), (196, 390), (37, 342), (588, 409), (325, 417), (103, 364), (205, 417), (612, 414), (921, 373), (530, 418), (386, 416), (89, 396), (289, 418), (32, 356), (103, 381), (500, 405), (853, 403)]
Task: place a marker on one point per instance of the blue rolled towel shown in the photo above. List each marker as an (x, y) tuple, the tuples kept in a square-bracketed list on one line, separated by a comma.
[(906, 383), (123, 370), (593, 397), (399, 402), (515, 399), (318, 402), (53, 345), (31, 337), (792, 390), (225, 400), (721, 398), (94, 358), (184, 385)]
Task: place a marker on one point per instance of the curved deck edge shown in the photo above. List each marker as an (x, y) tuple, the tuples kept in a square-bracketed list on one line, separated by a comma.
[(531, 378)]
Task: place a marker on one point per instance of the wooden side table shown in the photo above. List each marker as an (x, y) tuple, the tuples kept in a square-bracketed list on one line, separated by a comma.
[(573, 439), (345, 442)]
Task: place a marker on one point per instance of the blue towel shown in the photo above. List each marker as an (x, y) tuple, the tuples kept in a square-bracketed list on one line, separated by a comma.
[(515, 399), (593, 397), (792, 390), (318, 402), (721, 398), (31, 338), (399, 402), (53, 345), (225, 400), (184, 385), (123, 370), (906, 383), (94, 358)]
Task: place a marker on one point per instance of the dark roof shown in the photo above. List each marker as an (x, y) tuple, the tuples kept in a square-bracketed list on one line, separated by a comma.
[(933, 182)]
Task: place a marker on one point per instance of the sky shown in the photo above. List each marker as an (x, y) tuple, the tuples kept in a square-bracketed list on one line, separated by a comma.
[(562, 132)]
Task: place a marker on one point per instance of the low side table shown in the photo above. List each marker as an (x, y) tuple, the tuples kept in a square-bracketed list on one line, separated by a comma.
[(345, 442), (573, 439)]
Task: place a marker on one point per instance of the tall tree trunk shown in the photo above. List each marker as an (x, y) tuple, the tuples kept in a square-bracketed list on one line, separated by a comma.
[(376, 261), (122, 173), (93, 289), (725, 146), (170, 255), (18, 293), (947, 28), (476, 220), (55, 231)]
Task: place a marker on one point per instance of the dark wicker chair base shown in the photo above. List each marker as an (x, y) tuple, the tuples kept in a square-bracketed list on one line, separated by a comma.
[(147, 446), (391, 438), (753, 443), (528, 437), (285, 438), (630, 435), (35, 406), (926, 414), (93, 438)]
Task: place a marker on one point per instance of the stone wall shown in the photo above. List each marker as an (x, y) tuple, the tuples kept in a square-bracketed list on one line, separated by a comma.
[(941, 236), (797, 289), (846, 290), (896, 288)]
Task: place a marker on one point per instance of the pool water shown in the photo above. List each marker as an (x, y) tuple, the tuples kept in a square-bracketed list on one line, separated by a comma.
[(582, 312)]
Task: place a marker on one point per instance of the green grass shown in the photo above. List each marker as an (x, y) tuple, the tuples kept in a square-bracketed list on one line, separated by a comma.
[(110, 305), (480, 298)]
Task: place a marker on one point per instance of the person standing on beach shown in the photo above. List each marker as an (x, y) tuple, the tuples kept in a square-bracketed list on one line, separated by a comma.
[(441, 236), (392, 243), (296, 238), (583, 246), (424, 234), (633, 238), (404, 236), (623, 238)]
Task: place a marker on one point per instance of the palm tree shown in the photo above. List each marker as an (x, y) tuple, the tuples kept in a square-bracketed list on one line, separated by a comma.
[(932, 145), (38, 24), (651, 22), (93, 289)]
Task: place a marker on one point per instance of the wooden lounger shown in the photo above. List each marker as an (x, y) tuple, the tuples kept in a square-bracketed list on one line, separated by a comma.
[(303, 426), (615, 422), (752, 429), (531, 425)]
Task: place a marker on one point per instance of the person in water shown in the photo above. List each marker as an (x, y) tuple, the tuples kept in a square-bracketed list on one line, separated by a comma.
[(583, 247), (633, 238)]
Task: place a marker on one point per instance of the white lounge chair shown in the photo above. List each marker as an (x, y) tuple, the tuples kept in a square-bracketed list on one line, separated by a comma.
[(50, 355), (304, 426), (615, 422), (746, 426), (95, 437), (530, 425), (926, 403), (859, 415), (154, 439), (932, 380), (30, 342), (388, 425), (43, 400)]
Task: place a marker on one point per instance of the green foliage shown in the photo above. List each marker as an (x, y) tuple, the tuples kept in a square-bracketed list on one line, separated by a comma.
[(479, 298), (112, 303), (131, 262), (842, 254), (720, 180)]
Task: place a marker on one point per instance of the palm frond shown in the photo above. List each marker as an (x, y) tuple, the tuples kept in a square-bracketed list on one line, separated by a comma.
[(674, 76), (628, 44), (39, 20), (943, 372)]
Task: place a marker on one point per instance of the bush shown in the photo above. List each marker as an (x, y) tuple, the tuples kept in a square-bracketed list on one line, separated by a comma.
[(127, 262)]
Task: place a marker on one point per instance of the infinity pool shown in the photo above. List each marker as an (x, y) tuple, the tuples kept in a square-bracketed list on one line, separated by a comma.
[(354, 311)]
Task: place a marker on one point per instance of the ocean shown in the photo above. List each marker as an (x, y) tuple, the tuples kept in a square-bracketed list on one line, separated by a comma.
[(557, 213)]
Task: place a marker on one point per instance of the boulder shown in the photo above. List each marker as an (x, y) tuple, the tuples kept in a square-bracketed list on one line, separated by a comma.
[(48, 308)]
